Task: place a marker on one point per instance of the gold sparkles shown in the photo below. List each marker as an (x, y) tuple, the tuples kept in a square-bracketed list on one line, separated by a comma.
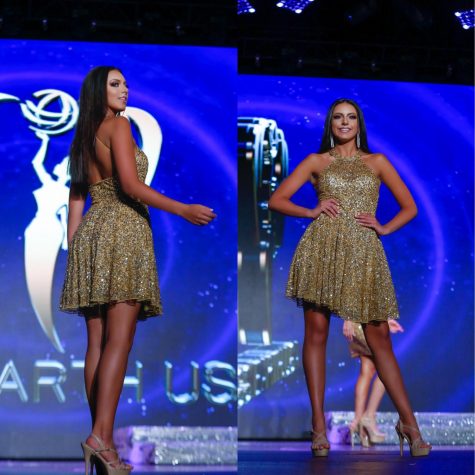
[(339, 264), (111, 256)]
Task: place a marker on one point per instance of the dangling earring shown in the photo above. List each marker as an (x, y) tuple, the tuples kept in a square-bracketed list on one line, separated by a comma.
[(332, 143), (358, 142)]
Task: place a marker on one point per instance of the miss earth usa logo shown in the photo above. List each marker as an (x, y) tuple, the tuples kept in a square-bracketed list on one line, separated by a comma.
[(46, 234)]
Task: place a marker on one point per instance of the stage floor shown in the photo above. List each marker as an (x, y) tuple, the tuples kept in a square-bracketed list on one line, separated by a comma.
[(294, 458), (75, 467)]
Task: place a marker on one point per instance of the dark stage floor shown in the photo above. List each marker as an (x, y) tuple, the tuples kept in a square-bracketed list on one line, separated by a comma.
[(294, 458), (70, 468)]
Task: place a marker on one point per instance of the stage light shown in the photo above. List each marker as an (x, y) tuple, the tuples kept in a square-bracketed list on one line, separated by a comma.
[(466, 18), (297, 6), (245, 7)]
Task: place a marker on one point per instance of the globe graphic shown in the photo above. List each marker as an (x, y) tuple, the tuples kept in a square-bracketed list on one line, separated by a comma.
[(45, 116)]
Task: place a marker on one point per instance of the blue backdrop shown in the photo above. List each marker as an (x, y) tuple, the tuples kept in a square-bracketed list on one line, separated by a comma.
[(426, 131), (190, 91)]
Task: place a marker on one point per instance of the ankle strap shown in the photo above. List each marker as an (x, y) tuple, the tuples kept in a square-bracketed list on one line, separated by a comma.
[(98, 440), (405, 426), (318, 436), (107, 449)]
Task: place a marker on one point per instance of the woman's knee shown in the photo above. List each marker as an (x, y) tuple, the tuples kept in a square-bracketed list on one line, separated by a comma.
[(378, 336), (316, 337), (120, 341), (367, 368)]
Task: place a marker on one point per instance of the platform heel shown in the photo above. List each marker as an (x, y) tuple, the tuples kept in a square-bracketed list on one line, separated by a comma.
[(88, 458), (416, 445)]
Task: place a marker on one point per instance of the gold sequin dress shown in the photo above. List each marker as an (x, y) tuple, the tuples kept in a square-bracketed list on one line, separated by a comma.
[(339, 264), (111, 256)]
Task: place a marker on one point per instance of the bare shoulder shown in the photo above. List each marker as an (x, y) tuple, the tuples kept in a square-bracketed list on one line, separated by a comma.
[(316, 162), (119, 127), (377, 161), (119, 122)]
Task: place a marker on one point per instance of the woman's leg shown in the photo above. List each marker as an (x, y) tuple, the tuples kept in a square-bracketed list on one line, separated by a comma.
[(119, 335), (95, 340), (378, 338), (375, 398), (317, 324), (367, 371)]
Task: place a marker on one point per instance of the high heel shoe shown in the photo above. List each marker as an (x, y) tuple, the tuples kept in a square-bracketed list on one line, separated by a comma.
[(415, 445), (368, 424), (88, 452), (92, 456), (319, 439), (356, 428)]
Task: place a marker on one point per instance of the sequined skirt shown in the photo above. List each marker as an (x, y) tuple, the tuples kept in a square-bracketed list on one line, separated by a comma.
[(341, 266), (111, 259)]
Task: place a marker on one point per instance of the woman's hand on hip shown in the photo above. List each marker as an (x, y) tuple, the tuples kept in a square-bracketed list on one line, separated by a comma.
[(369, 221), (330, 207)]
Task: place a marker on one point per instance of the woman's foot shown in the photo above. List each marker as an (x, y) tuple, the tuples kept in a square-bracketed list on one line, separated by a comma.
[(107, 451), (356, 428), (320, 444), (417, 445), (369, 426)]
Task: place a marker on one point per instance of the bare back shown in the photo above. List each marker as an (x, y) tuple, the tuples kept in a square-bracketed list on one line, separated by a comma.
[(102, 166)]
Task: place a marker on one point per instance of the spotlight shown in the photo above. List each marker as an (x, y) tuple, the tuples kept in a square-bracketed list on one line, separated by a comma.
[(466, 18), (297, 6), (245, 7)]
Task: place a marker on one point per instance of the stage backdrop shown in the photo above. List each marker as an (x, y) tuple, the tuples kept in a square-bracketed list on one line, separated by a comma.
[(426, 131), (182, 368)]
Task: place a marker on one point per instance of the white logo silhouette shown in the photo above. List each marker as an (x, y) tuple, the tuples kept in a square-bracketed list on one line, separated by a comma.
[(46, 233)]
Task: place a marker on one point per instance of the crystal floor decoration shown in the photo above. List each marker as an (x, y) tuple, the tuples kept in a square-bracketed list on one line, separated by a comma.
[(438, 428), (177, 445)]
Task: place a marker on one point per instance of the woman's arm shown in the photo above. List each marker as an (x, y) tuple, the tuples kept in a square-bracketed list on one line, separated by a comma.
[(123, 150), (280, 199), (75, 210), (390, 177)]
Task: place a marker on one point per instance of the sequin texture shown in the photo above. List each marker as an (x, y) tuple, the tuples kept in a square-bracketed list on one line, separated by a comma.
[(111, 256), (339, 264)]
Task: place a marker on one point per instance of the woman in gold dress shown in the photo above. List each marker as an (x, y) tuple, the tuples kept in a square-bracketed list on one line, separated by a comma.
[(111, 276), (366, 401), (339, 266)]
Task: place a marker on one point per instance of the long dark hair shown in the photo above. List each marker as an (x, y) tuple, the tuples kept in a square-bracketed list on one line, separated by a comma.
[(92, 110), (325, 145)]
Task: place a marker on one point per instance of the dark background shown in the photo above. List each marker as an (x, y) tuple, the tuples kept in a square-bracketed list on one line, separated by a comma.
[(407, 40)]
